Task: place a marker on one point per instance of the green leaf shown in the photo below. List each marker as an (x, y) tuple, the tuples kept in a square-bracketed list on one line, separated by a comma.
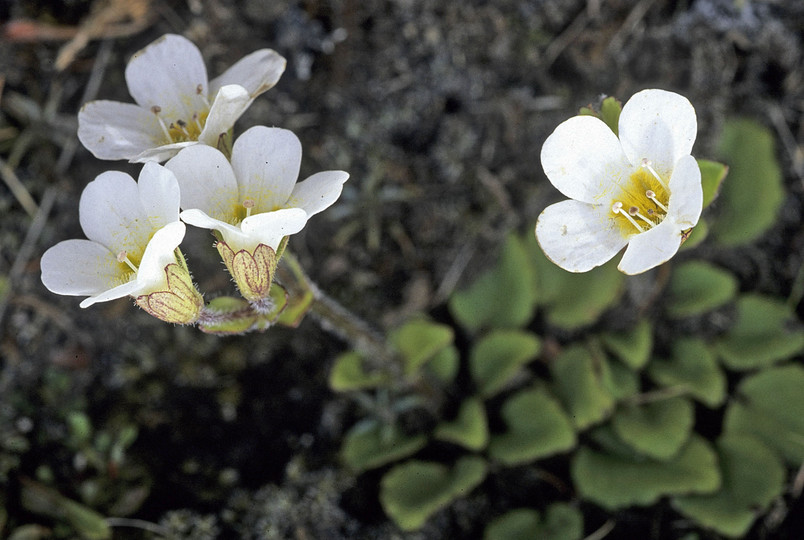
[(697, 287), (296, 308), (369, 445), (698, 234), (418, 341), (410, 493), (632, 347), (712, 176), (348, 373), (40, 499), (752, 478), (610, 111), (497, 357), (574, 300), (657, 429), (562, 522), (619, 380), (470, 429), (537, 427), (240, 320), (761, 335), (614, 482), (444, 365), (80, 427), (772, 410), (578, 384), (693, 367), (503, 297), (750, 200)]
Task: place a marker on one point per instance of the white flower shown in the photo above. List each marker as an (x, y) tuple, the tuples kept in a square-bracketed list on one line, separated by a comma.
[(642, 190), (133, 229), (255, 199), (177, 105)]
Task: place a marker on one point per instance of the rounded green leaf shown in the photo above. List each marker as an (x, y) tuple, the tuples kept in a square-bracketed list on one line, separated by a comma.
[(762, 335), (634, 346), (537, 427), (749, 202), (410, 493), (470, 429), (697, 287), (561, 522), (497, 357), (578, 384), (771, 408), (348, 373), (753, 476), (657, 429), (444, 364), (614, 482), (712, 176), (370, 444), (503, 297), (693, 367), (418, 341)]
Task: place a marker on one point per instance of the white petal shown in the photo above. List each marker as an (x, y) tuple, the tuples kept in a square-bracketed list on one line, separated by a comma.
[(583, 159), (266, 162), (112, 130), (229, 104), (578, 236), (659, 126), (686, 193), (256, 72), (111, 214), (80, 268), (159, 194), (126, 289), (651, 248), (232, 235), (159, 253), (269, 228), (317, 192), (161, 153), (206, 181), (167, 74)]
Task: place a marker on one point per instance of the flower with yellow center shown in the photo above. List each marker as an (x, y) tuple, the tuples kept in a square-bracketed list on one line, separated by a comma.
[(176, 105), (641, 190)]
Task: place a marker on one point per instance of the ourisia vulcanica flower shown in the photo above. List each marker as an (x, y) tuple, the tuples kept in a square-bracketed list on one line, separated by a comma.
[(641, 190), (177, 105), (133, 232), (254, 201)]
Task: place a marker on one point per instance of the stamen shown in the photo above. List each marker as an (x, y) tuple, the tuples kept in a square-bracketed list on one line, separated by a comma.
[(197, 123), (647, 164), (248, 204), (617, 208), (123, 257), (634, 211), (652, 196), (156, 109), (200, 91), (183, 127)]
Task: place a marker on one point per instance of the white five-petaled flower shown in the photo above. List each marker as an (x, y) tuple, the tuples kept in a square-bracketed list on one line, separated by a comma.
[(255, 199), (642, 189), (177, 106), (133, 230)]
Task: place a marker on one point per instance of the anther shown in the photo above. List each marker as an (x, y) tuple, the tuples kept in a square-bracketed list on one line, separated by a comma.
[(156, 109), (197, 123), (634, 211), (617, 208), (647, 164), (183, 127), (652, 196), (248, 204), (199, 90), (123, 257)]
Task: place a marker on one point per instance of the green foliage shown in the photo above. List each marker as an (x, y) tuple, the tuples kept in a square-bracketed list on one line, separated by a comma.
[(750, 200), (632, 347), (537, 427), (578, 384), (615, 482), (413, 491), (712, 176), (693, 367), (762, 335), (370, 444), (445, 364), (470, 429), (503, 297), (657, 429), (697, 287), (771, 408), (497, 357), (561, 522), (43, 500), (241, 321), (753, 477), (610, 110), (349, 373), (618, 379), (418, 341)]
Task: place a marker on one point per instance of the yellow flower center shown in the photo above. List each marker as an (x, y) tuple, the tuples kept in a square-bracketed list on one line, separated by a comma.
[(183, 129), (642, 201)]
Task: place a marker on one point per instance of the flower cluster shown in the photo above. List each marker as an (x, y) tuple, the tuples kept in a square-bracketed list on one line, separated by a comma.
[(246, 190)]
